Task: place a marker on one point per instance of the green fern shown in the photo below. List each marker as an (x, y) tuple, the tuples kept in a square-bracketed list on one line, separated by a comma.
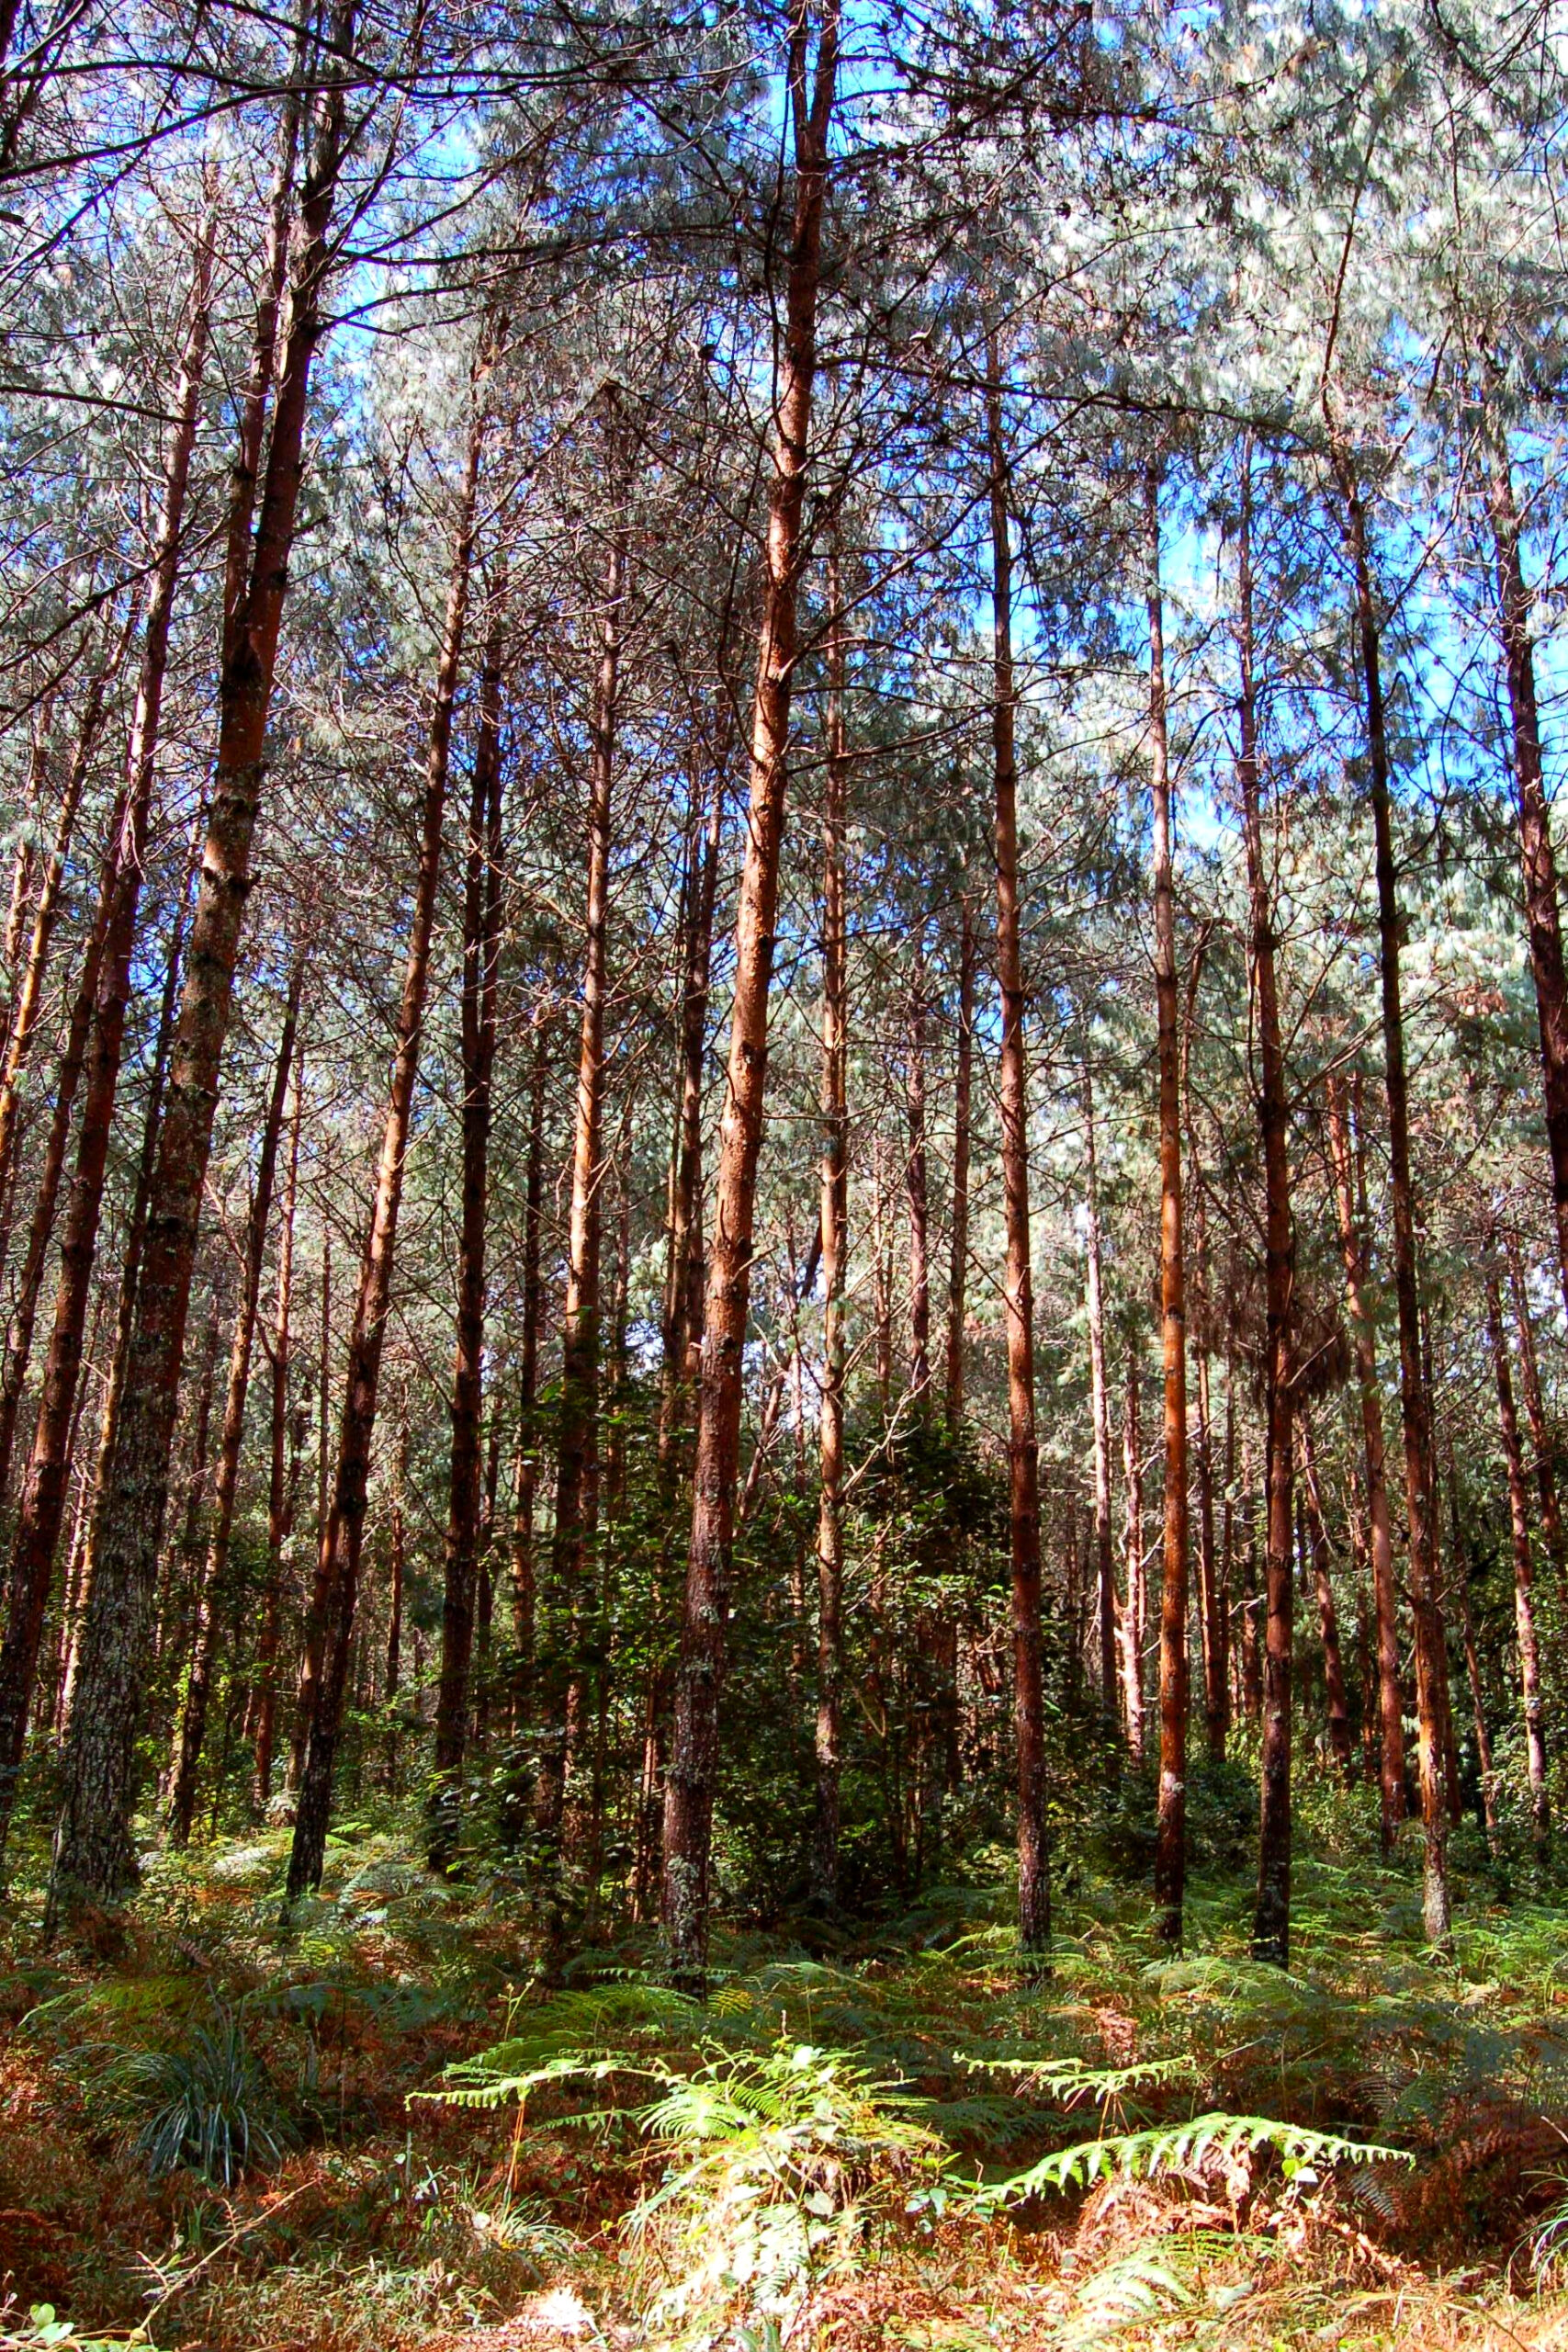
[(1178, 2147)]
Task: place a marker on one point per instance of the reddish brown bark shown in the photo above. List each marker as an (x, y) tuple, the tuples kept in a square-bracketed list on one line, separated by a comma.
[(693, 1760), (1520, 1528), (916, 1190), (1271, 1917), (834, 1229), (191, 1731), (1431, 1675), (1100, 1407), (1170, 1834), (94, 1859), (29, 995), (1541, 1436), (1537, 857), (1023, 1460), (1328, 1613), (1132, 1550), (280, 1485), (682, 1289), (481, 947), (1390, 1706), (43, 1501), (45, 1201), (958, 1257), (524, 1597), (573, 1547), (343, 1534), (1472, 1664)]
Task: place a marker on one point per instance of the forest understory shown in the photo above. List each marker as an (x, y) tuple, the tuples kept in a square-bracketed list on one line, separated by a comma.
[(877, 2137)]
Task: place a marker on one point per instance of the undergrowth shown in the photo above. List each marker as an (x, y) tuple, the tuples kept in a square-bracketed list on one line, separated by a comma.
[(385, 2132)]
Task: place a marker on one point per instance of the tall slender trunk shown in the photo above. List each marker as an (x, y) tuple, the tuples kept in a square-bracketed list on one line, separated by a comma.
[(693, 1760), (958, 1258), (1132, 1564), (1431, 1676), (481, 947), (280, 1487), (45, 1201), (1520, 1528), (573, 1548), (524, 1579), (183, 1567), (1023, 1459), (1472, 1663), (307, 1681), (1170, 1836), (1217, 1710), (917, 1189), (1390, 1706), (1271, 1917), (1538, 861), (95, 1862), (835, 1244), (140, 1206), (397, 1566), (1100, 1404), (1541, 1436), (343, 1534), (682, 1335), (43, 1501), (30, 996), (1328, 1613), (192, 1728)]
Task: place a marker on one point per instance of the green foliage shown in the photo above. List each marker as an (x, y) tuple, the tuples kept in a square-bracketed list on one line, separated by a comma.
[(42, 2332), (778, 2171), (202, 2099), (1186, 2148)]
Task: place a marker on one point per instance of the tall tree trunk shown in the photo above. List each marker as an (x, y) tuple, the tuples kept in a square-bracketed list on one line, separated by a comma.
[(45, 1201), (573, 1548), (1519, 1527), (1132, 1549), (1328, 1613), (1541, 1436), (524, 1579), (313, 1631), (1271, 1917), (1100, 1403), (1210, 1627), (958, 1259), (1538, 862), (481, 947), (694, 1761), (343, 1534), (280, 1485), (682, 1335), (94, 1862), (1473, 1665), (192, 1728), (140, 1208), (1390, 1706), (1431, 1675), (916, 1190), (1023, 1459), (29, 996), (1170, 1837), (835, 1245), (43, 1501)]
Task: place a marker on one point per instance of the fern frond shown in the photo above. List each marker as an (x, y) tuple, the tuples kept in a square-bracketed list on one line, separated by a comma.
[(1172, 2148)]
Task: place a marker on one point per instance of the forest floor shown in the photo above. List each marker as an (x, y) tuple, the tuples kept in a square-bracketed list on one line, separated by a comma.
[(821, 2157)]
